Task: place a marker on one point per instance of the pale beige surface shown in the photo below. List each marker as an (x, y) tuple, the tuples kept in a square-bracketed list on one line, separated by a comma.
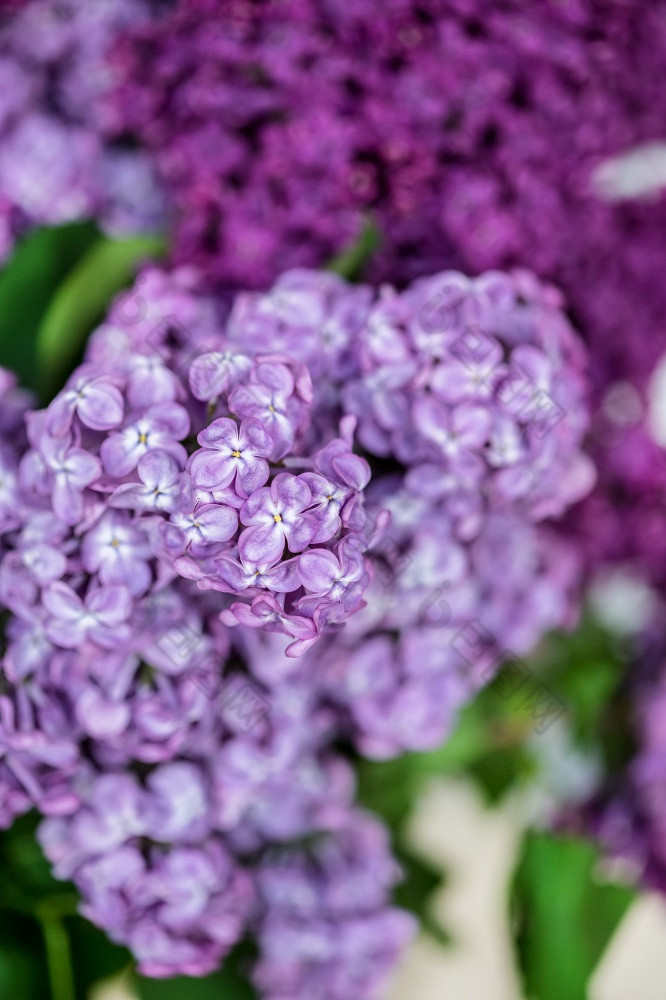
[(453, 828), (477, 848)]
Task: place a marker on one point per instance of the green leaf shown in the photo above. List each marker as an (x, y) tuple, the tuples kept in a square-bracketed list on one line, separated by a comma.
[(564, 916), (350, 262), (27, 284), (588, 669), (420, 881), (81, 301)]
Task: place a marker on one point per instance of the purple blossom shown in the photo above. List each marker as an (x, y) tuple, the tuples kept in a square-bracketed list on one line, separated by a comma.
[(207, 526), (276, 396), (232, 452), (161, 427), (275, 516), (100, 617), (159, 487), (94, 400), (325, 574), (118, 551), (55, 70), (216, 372), (72, 470)]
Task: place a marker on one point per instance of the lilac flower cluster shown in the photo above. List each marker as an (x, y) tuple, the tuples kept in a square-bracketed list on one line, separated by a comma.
[(108, 460), (53, 72), (124, 711), (474, 136), (470, 401), (440, 621), (476, 386), (325, 933), (170, 809), (189, 516)]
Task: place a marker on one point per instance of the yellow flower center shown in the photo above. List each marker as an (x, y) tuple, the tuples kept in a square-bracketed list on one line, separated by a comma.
[(236, 454), (143, 438), (277, 518)]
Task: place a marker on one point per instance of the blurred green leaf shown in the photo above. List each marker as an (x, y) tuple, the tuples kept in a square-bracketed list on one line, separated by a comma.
[(421, 880), (219, 985), (27, 284), (588, 669), (564, 916), (23, 970), (498, 771), (351, 261), (81, 301)]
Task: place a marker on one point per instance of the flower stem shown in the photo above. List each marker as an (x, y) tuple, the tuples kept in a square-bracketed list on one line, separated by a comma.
[(58, 957)]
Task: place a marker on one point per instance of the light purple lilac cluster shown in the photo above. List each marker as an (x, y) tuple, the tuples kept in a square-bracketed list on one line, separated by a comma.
[(195, 455), (226, 513), (170, 753), (325, 934), (174, 811), (190, 508), (55, 163), (470, 401), (441, 619), (476, 387)]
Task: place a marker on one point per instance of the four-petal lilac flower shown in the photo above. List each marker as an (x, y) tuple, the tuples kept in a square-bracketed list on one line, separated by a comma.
[(162, 426), (101, 617), (73, 469), (159, 487), (96, 401), (229, 452), (277, 515), (118, 551)]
